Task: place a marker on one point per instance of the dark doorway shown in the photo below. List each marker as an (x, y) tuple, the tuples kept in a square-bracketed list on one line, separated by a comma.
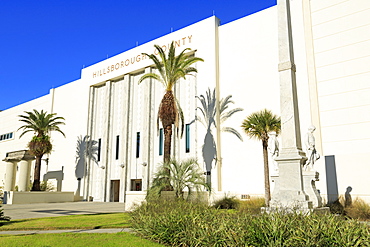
[(114, 190)]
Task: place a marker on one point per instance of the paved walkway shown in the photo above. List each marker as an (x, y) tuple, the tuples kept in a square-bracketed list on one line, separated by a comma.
[(41, 210)]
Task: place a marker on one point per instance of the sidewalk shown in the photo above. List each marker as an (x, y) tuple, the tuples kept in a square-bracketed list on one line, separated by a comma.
[(41, 210)]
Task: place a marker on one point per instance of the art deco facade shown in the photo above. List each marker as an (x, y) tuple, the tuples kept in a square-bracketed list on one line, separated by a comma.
[(331, 42)]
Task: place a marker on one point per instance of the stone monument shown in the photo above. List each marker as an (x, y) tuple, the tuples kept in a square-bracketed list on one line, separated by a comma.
[(289, 190)]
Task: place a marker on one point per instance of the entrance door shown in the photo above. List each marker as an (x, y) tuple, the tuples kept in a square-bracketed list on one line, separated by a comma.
[(114, 190)]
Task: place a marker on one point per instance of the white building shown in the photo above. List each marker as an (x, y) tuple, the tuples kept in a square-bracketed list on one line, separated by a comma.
[(331, 42)]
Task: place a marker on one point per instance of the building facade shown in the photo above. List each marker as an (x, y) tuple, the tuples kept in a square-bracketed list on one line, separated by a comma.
[(332, 52)]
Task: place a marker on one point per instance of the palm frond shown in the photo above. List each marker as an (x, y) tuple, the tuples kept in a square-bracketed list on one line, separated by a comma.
[(182, 175), (258, 124), (233, 131)]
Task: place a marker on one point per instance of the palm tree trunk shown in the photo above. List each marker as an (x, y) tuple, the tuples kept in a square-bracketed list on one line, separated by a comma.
[(167, 152), (37, 174), (267, 173), (167, 143)]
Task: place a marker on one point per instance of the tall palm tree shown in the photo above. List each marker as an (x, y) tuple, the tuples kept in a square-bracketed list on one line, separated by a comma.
[(257, 125), (183, 175), (41, 123), (171, 69)]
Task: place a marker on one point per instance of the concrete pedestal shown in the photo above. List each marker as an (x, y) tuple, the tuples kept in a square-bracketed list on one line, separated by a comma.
[(289, 191)]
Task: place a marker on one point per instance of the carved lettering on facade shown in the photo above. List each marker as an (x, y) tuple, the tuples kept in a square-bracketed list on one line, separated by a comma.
[(138, 58)]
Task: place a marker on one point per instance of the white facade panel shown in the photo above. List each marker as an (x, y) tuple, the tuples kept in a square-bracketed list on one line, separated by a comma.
[(355, 82), (318, 5), (344, 10)]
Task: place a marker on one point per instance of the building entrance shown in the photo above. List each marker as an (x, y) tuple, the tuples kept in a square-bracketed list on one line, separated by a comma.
[(114, 190)]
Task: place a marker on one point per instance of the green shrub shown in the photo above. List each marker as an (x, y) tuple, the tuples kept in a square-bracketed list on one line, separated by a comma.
[(359, 209), (227, 203), (2, 216), (180, 223)]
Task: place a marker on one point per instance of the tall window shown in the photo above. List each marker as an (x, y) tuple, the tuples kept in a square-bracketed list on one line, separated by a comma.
[(187, 138), (99, 148), (137, 144), (161, 141), (117, 147)]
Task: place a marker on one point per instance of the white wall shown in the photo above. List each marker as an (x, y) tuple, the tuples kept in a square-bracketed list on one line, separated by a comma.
[(70, 102), (341, 32), (9, 122), (248, 72)]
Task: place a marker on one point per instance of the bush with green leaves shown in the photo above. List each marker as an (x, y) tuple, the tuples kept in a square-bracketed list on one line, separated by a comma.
[(181, 176), (2, 216), (181, 223), (227, 202)]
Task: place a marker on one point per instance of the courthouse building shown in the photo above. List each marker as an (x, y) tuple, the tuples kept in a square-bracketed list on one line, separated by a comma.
[(331, 41)]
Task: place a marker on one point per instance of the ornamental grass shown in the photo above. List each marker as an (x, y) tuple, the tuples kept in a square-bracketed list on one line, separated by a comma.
[(181, 223)]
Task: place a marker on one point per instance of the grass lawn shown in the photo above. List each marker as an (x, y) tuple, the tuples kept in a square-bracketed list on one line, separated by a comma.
[(97, 221), (92, 221), (76, 239)]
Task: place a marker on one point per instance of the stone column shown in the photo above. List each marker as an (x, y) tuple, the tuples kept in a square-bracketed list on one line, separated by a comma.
[(24, 175), (10, 176), (290, 191)]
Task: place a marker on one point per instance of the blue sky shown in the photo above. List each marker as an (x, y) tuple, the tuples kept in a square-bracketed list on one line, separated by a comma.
[(45, 43)]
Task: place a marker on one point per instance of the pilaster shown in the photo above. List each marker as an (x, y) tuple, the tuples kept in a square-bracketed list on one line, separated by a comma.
[(24, 175), (10, 176)]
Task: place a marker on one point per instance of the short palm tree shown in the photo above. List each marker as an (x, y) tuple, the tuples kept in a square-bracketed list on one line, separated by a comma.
[(41, 124), (171, 69), (182, 175), (257, 125)]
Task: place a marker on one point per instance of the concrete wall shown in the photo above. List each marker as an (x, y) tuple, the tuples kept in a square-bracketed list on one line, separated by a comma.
[(15, 197)]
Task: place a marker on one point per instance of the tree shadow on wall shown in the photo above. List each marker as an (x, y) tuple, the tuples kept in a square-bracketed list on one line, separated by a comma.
[(86, 150), (208, 109)]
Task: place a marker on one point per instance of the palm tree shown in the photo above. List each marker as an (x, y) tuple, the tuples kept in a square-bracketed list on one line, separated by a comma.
[(257, 125), (41, 123), (171, 69), (208, 111), (182, 175)]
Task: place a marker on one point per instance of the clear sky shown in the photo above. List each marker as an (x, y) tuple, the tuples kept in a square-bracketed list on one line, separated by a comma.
[(45, 43)]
